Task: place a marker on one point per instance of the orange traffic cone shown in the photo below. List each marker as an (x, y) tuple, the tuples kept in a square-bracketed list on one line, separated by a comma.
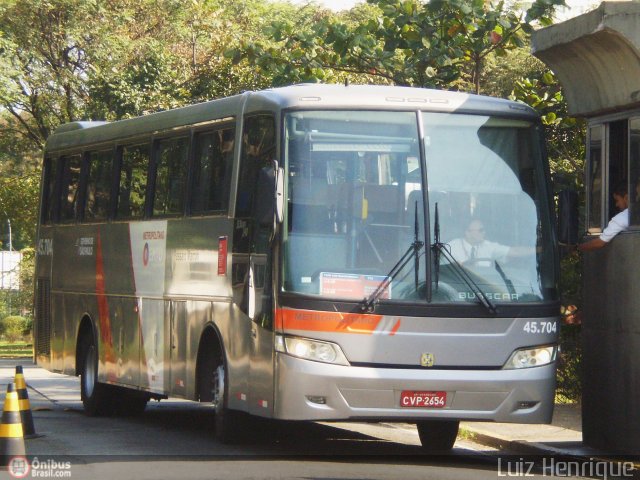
[(28, 429), (11, 438)]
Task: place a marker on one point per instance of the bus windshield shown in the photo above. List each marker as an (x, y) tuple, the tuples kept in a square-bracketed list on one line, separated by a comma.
[(355, 216)]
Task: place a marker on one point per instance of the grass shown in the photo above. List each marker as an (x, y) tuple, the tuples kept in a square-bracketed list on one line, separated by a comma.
[(18, 349)]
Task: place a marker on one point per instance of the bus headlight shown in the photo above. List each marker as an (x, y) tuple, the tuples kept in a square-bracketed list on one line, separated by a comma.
[(315, 350), (532, 357)]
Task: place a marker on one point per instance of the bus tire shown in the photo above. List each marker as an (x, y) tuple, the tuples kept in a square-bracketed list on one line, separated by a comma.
[(438, 436), (228, 428), (96, 396)]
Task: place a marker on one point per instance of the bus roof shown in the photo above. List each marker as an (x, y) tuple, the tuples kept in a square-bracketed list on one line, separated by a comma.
[(305, 96)]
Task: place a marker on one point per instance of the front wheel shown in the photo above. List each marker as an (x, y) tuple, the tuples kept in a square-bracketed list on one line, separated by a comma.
[(214, 389), (96, 397), (438, 436)]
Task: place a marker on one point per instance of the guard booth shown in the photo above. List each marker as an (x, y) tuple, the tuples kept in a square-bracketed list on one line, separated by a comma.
[(596, 57)]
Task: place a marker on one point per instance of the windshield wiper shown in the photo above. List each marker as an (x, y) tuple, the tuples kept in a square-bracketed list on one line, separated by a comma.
[(440, 248), (507, 282), (413, 250)]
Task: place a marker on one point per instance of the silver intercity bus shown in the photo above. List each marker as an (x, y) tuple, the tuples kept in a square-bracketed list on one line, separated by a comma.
[(314, 252)]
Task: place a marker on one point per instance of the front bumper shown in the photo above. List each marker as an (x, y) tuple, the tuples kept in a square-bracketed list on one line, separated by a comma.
[(363, 393)]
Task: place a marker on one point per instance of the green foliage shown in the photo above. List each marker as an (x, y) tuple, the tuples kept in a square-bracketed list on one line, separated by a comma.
[(569, 377), (18, 349), (405, 42), (565, 135), (15, 327), (19, 205)]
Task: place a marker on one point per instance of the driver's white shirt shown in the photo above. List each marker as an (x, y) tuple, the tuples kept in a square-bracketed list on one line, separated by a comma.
[(462, 250)]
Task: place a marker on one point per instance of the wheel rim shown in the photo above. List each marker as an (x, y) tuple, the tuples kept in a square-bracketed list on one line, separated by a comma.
[(89, 376), (218, 389)]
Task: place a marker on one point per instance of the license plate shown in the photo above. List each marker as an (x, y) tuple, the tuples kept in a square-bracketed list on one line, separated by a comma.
[(413, 399)]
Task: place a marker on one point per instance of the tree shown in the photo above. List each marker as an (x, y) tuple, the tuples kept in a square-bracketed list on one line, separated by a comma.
[(405, 42), (44, 64)]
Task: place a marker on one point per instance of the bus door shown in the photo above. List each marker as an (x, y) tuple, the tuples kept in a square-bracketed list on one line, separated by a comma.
[(254, 210), (178, 347), (260, 312)]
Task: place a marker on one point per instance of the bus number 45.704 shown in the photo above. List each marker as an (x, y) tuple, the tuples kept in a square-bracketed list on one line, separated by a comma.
[(540, 327)]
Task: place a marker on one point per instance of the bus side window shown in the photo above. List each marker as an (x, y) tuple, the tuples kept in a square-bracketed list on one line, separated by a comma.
[(258, 150), (170, 176), (98, 192), (49, 203), (133, 181), (212, 170), (69, 187)]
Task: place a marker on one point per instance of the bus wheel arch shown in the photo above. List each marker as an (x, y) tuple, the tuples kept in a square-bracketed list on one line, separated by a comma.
[(212, 384)]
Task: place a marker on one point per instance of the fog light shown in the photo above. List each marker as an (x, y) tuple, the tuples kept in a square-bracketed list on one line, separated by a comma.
[(526, 405), (317, 399)]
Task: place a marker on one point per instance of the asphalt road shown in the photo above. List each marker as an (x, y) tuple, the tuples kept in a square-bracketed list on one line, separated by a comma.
[(173, 439)]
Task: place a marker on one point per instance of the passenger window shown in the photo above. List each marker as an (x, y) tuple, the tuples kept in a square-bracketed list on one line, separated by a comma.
[(212, 170), (69, 183), (133, 181), (258, 150), (98, 186), (171, 176), (49, 204)]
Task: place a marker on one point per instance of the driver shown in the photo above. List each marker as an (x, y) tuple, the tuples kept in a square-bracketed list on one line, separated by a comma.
[(475, 248)]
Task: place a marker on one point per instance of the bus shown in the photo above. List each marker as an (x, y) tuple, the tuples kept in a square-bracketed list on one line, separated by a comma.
[(299, 253)]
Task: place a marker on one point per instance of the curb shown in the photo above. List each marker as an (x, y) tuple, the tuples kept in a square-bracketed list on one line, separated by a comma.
[(579, 453)]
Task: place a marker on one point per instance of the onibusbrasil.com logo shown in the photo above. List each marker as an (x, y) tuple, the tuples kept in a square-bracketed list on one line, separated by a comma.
[(21, 467)]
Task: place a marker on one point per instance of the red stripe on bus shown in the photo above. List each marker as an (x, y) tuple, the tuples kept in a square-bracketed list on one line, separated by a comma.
[(395, 328), (101, 296), (288, 319)]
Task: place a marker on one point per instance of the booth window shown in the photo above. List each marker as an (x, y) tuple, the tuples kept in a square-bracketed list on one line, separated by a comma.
[(634, 170), (608, 167)]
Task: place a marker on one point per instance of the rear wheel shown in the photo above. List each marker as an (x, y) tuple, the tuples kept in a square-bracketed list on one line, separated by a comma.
[(96, 396), (438, 436)]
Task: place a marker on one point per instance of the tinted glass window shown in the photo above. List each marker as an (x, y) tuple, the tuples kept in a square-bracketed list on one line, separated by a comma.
[(69, 182), (258, 150), (171, 176), (48, 191), (98, 185), (133, 181), (212, 170)]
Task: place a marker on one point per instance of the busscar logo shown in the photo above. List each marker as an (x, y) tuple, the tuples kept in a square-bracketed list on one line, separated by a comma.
[(427, 360)]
